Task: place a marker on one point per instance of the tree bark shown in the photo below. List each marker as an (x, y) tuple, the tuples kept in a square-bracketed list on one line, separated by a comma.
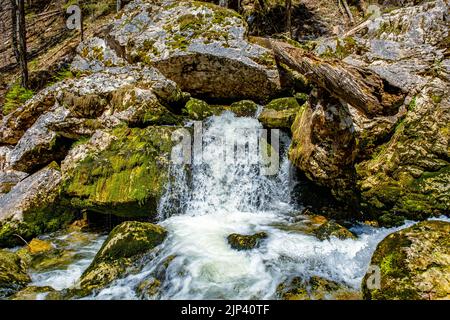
[(359, 87), (14, 42), (289, 17), (22, 32)]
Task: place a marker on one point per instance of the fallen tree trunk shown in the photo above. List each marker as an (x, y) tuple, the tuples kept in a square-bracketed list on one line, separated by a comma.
[(359, 87)]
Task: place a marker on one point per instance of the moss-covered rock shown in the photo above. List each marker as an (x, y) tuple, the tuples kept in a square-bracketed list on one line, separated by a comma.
[(13, 273), (316, 288), (246, 242), (196, 109), (332, 229), (126, 177), (244, 108), (31, 293), (409, 176), (280, 113), (125, 244), (414, 264)]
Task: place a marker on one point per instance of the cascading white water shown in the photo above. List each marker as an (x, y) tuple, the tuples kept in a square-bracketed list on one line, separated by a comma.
[(227, 198), (202, 207)]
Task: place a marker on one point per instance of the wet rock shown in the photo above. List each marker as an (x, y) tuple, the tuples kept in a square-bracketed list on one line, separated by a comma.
[(414, 264), (32, 293), (246, 242), (125, 244), (202, 47), (149, 288), (30, 208), (13, 273), (408, 177), (332, 229), (280, 113), (126, 176), (244, 108), (316, 288)]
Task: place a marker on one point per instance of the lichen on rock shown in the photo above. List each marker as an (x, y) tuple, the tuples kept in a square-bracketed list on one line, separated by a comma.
[(414, 264)]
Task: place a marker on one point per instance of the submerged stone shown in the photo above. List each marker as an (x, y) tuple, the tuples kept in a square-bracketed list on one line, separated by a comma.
[(332, 229), (246, 242)]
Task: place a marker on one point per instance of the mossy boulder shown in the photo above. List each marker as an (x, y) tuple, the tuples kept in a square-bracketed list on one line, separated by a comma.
[(246, 242), (315, 288), (280, 113), (199, 110), (125, 244), (332, 229), (244, 108), (414, 264), (13, 273), (126, 177)]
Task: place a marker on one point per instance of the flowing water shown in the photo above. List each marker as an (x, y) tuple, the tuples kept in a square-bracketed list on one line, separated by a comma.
[(216, 199)]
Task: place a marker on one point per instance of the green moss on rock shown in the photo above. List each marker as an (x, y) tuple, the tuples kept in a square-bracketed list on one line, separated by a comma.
[(125, 244), (126, 179), (13, 273), (332, 229), (280, 113), (246, 242), (414, 264)]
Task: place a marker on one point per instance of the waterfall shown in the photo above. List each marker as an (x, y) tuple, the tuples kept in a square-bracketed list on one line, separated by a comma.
[(219, 194), (225, 189)]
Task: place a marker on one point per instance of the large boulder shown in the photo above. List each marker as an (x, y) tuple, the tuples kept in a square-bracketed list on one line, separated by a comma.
[(414, 264), (125, 244), (31, 207), (123, 171), (13, 273), (391, 165), (77, 107), (201, 46)]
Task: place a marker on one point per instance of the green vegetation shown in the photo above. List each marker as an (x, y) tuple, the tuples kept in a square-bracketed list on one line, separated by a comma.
[(15, 97)]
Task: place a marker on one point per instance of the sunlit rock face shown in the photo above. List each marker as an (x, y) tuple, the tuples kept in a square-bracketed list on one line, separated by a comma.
[(201, 46)]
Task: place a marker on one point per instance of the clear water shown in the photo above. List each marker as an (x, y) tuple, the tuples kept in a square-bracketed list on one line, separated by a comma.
[(232, 198)]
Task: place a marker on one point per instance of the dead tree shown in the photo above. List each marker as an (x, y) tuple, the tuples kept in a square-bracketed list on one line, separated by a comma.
[(22, 32), (118, 5), (14, 42), (359, 87), (289, 17), (19, 38)]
